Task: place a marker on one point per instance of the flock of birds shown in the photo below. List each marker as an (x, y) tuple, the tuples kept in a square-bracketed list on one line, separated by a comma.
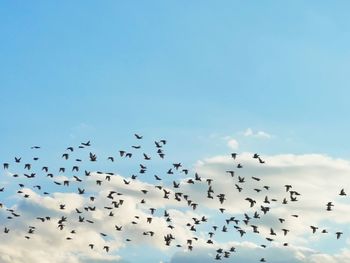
[(113, 200)]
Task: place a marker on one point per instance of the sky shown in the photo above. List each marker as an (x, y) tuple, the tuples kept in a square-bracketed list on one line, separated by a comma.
[(211, 78)]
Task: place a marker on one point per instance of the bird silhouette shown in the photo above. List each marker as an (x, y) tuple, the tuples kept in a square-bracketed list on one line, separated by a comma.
[(338, 234), (342, 192), (100, 194), (139, 137), (329, 206)]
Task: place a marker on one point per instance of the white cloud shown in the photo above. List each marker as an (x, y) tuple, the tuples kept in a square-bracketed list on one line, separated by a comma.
[(318, 178), (308, 174), (259, 134), (233, 144), (248, 132)]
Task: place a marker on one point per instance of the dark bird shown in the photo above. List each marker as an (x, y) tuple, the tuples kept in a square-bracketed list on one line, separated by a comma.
[(314, 228), (265, 209), (329, 206), (232, 173), (157, 178), (177, 165), (241, 232), (209, 181), (266, 200), (342, 192), (70, 149), (139, 137), (285, 231), (255, 229), (287, 186), (338, 234), (158, 144), (251, 201), (146, 157), (152, 210), (86, 143), (92, 157), (77, 178), (272, 232)]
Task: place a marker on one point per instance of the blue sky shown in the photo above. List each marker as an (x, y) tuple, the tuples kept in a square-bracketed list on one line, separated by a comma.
[(193, 72), (175, 68)]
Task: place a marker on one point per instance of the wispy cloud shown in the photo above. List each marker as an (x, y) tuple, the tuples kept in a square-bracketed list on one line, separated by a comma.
[(318, 178), (257, 134), (232, 144)]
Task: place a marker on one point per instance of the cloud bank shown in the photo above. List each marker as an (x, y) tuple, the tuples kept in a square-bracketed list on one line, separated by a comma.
[(176, 208)]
